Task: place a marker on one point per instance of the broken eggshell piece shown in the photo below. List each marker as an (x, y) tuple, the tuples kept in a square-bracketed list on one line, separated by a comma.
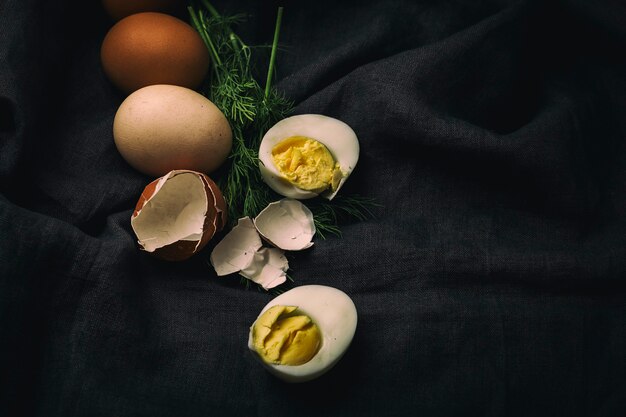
[(178, 214), (236, 250), (241, 251), (268, 268), (287, 224)]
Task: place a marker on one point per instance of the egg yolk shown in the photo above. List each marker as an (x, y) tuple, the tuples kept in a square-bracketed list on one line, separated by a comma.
[(283, 338), (306, 163)]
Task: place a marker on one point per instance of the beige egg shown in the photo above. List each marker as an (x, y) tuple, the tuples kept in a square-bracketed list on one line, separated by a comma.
[(160, 128)]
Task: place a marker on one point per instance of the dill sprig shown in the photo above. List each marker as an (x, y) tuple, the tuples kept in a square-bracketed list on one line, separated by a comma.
[(327, 215), (252, 110)]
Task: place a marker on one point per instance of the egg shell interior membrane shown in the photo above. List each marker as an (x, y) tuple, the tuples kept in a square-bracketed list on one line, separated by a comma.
[(176, 211), (337, 136), (268, 268), (336, 317), (236, 250), (287, 224)]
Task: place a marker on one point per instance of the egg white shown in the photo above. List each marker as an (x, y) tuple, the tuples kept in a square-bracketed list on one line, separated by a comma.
[(336, 135), (336, 317)]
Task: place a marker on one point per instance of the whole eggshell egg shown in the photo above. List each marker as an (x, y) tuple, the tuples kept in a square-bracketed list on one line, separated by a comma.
[(153, 48), (334, 313), (160, 128)]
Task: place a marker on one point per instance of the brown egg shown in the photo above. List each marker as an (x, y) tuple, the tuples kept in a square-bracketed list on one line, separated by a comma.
[(153, 48), (119, 9)]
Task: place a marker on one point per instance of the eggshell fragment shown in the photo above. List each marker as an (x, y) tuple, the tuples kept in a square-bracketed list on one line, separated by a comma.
[(287, 224), (242, 251), (178, 214), (236, 250), (268, 268), (335, 314)]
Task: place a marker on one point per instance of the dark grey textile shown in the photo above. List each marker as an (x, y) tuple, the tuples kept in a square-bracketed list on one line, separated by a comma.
[(492, 282)]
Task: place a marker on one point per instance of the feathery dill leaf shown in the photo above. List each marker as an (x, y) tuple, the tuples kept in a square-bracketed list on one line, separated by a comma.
[(327, 215)]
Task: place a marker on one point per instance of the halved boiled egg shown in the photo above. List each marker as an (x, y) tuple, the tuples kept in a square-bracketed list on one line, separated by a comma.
[(308, 155), (302, 333)]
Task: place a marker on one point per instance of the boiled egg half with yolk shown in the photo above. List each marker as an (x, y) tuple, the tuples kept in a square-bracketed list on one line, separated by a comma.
[(308, 155), (302, 333)]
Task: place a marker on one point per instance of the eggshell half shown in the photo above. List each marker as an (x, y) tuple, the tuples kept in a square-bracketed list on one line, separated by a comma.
[(334, 313), (178, 214), (336, 135)]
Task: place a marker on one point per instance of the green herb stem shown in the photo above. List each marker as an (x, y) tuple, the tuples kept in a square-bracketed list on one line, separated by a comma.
[(204, 35), (270, 71), (231, 35), (195, 20), (211, 9)]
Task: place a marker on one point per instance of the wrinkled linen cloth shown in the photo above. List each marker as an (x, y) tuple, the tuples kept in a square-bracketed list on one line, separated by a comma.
[(489, 281)]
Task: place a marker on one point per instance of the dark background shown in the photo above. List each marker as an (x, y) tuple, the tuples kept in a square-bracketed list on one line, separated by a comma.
[(492, 282)]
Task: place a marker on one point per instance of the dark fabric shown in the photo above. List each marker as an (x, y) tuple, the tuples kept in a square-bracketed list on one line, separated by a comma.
[(491, 282)]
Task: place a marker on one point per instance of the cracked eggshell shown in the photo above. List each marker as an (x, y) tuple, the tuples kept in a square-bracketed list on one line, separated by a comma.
[(268, 268), (178, 214), (242, 251), (287, 224), (334, 313), (336, 135), (236, 250)]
